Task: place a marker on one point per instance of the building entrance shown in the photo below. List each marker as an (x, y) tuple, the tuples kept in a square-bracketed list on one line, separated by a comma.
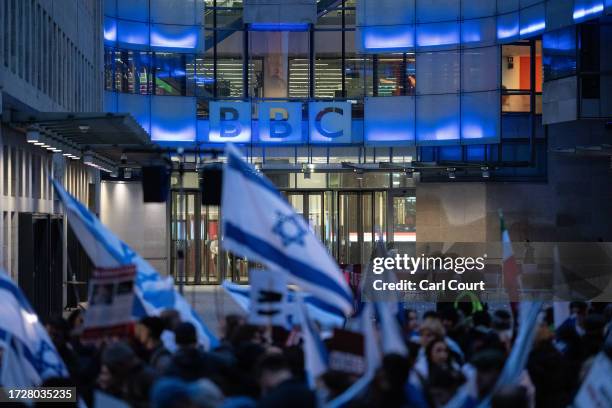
[(348, 223)]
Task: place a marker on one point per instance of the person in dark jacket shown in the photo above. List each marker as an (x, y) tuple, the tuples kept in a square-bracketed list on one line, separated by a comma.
[(190, 362), (148, 333)]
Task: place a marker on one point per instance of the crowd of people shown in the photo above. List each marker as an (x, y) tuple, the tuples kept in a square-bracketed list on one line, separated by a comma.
[(163, 365)]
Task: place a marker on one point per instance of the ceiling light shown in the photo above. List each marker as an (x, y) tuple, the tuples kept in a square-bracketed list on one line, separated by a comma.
[(127, 173), (32, 135), (84, 128), (451, 173), (485, 172)]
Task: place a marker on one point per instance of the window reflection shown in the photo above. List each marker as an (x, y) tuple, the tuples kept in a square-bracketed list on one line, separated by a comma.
[(174, 74)]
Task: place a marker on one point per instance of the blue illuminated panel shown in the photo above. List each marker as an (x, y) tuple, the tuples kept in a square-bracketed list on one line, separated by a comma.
[(173, 119), (480, 117), (478, 32), (508, 27), (533, 21), (230, 122), (329, 122), (139, 106), (110, 29), (586, 9), (438, 35), (132, 33), (280, 123), (437, 119), (389, 121), (386, 38), (174, 36)]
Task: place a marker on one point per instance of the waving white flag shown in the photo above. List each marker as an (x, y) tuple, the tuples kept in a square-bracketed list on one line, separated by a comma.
[(259, 224)]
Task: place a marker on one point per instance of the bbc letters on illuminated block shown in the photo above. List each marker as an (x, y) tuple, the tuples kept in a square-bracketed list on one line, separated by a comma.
[(280, 123), (329, 122), (230, 122)]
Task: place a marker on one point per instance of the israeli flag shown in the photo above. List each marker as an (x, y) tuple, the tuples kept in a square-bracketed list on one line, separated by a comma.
[(153, 293), (390, 330), (28, 355), (316, 359), (259, 224), (322, 313)]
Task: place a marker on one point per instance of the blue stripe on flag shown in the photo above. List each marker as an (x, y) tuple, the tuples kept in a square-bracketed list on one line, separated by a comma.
[(249, 172), (14, 290), (297, 268)]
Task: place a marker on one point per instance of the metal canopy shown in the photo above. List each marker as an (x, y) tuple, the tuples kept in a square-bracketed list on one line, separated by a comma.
[(107, 134)]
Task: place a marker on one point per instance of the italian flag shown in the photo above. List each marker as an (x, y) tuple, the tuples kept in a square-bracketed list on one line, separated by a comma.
[(509, 267)]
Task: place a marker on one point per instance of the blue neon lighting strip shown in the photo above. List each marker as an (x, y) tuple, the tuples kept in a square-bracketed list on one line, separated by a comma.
[(533, 28), (585, 12)]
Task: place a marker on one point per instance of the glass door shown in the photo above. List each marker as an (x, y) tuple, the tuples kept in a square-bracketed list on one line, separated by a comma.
[(210, 244), (185, 236), (402, 228)]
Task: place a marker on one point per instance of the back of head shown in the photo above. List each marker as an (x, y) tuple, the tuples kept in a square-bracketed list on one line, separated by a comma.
[(510, 396), (154, 324), (185, 335), (205, 394), (119, 358)]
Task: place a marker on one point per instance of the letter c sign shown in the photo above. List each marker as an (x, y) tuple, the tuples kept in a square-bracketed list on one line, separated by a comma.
[(330, 122)]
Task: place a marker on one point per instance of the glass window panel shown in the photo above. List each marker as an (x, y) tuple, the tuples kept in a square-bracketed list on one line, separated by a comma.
[(171, 76), (505, 6), (132, 33), (173, 118), (559, 53), (516, 73), (278, 51), (373, 39), (137, 10), (508, 27), (515, 102), (437, 119), (176, 11), (532, 20), (229, 64), (438, 72), (478, 70), (391, 74), (331, 19), (133, 72), (478, 8), (438, 35), (389, 121), (428, 11), (480, 117), (328, 65), (385, 12), (354, 74), (479, 32)]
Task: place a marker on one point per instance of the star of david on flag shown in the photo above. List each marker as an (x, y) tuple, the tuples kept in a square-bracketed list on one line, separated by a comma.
[(289, 229)]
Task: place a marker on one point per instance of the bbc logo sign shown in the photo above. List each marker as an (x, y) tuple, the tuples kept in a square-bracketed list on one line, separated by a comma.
[(280, 123)]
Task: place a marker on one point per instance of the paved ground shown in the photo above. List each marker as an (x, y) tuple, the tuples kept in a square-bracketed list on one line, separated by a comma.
[(212, 303)]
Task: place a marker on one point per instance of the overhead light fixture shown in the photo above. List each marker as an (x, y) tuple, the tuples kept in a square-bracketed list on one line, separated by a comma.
[(114, 173), (123, 158), (88, 158), (32, 135), (485, 172), (84, 128), (359, 174), (127, 173), (451, 173)]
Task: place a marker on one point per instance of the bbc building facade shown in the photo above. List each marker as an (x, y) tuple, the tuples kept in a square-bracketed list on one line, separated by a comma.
[(415, 118)]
